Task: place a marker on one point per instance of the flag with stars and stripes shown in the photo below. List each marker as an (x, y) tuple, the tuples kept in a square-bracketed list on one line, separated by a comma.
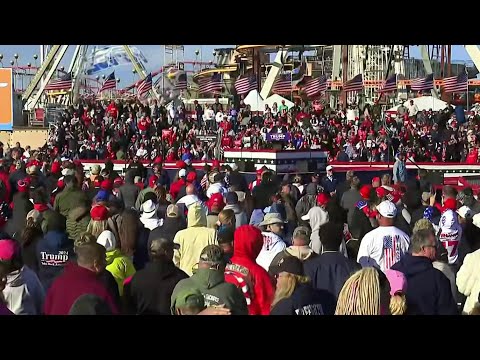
[(422, 84), (62, 83), (245, 84), (315, 86), (181, 81), (109, 83), (390, 84), (457, 83), (145, 85), (354, 84), (283, 85), (210, 84)]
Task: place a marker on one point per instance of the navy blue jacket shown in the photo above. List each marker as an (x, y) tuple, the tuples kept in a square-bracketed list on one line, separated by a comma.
[(329, 186), (53, 252), (329, 271), (140, 257), (306, 300), (428, 290)]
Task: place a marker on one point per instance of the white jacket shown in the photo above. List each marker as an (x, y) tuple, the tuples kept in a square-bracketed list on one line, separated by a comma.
[(24, 293), (272, 245), (468, 280)]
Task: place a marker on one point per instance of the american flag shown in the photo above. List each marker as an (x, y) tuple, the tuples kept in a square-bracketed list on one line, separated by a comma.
[(315, 86), (110, 83), (457, 83), (422, 84), (145, 85), (63, 83), (181, 83), (355, 84), (283, 85), (390, 251), (390, 84), (246, 84), (210, 84)]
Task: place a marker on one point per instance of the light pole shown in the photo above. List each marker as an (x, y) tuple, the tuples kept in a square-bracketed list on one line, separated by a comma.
[(35, 57), (14, 75), (1, 59), (134, 72)]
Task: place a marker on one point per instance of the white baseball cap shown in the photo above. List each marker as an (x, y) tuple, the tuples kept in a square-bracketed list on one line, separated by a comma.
[(465, 212), (387, 209), (329, 167), (182, 173)]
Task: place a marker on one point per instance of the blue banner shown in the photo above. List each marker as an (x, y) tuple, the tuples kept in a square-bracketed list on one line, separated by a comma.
[(273, 136)]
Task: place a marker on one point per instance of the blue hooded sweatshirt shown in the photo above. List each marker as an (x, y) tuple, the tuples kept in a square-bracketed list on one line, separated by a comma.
[(428, 290), (53, 252)]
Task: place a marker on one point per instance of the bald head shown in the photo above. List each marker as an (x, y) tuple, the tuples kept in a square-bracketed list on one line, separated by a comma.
[(190, 190)]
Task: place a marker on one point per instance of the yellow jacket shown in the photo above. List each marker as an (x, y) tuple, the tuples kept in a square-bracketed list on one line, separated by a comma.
[(193, 239), (120, 266)]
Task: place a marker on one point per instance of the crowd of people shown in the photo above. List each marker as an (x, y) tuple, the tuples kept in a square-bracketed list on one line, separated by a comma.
[(98, 243), (124, 129)]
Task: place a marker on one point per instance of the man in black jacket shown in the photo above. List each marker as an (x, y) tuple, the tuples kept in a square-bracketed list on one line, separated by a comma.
[(331, 269), (151, 288), (429, 291), (128, 192), (329, 182)]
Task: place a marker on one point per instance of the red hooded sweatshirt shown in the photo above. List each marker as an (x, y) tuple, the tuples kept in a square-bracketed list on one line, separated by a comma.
[(245, 273)]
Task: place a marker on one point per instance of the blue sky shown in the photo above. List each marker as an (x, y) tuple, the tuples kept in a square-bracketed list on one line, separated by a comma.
[(154, 54)]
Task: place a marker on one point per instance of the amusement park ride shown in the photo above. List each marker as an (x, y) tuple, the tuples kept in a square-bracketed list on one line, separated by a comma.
[(338, 62)]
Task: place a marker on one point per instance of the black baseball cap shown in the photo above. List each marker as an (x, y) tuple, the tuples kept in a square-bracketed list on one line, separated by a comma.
[(289, 264)]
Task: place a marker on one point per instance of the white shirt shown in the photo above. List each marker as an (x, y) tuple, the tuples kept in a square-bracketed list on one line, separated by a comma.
[(219, 117), (141, 152), (216, 188), (272, 245), (412, 110), (383, 247), (450, 234)]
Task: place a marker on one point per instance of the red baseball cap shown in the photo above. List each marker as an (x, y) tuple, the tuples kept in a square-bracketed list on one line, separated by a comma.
[(8, 249), (365, 191), (152, 181), (181, 164), (450, 204), (375, 179), (106, 185), (192, 176), (99, 213), (322, 199)]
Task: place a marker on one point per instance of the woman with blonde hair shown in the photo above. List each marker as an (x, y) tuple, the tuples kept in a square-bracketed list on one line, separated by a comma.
[(226, 219), (294, 295), (398, 287), (366, 292), (30, 236), (98, 222)]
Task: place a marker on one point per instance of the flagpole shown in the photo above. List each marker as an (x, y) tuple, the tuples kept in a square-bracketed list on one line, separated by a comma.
[(467, 86)]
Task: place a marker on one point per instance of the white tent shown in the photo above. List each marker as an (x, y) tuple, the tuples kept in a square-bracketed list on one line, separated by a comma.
[(255, 101), (424, 103), (278, 99)]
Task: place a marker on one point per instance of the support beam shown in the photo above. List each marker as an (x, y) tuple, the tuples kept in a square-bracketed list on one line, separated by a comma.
[(474, 52), (76, 69), (139, 68), (337, 52), (274, 71), (427, 65), (54, 61), (41, 72)]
